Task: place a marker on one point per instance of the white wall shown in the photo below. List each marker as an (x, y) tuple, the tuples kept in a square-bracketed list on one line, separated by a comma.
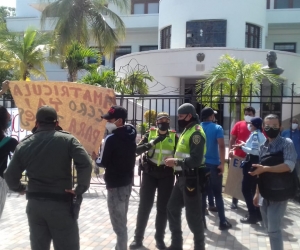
[(236, 12), (23, 8)]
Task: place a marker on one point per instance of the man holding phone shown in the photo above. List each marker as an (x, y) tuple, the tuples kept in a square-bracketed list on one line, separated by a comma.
[(215, 162)]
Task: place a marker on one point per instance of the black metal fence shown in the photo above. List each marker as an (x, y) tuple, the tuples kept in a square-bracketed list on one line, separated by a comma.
[(282, 100)]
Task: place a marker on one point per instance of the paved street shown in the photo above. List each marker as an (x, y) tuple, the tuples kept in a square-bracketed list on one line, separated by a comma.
[(96, 231)]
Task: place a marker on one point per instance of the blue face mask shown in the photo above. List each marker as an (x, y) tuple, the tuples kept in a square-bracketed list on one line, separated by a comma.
[(8, 124)]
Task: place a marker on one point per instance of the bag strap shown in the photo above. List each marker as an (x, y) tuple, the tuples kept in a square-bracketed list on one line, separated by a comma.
[(4, 141)]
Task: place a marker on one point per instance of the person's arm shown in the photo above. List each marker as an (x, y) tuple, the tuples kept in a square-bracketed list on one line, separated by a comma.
[(221, 144), (106, 153), (13, 173), (197, 144), (247, 148), (82, 164), (233, 137), (148, 145)]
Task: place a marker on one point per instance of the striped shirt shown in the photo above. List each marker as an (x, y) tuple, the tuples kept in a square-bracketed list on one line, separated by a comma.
[(281, 144)]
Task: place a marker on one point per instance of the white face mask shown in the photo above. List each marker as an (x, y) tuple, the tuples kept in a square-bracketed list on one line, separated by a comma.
[(295, 126), (249, 127), (248, 118), (111, 126)]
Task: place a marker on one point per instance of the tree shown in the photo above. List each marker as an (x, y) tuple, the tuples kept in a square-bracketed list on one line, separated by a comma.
[(76, 59), (235, 78), (75, 17), (136, 82), (25, 53), (105, 78), (6, 12)]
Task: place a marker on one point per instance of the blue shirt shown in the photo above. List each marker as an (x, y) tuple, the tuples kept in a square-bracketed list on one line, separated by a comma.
[(281, 144), (295, 136), (249, 148), (213, 132)]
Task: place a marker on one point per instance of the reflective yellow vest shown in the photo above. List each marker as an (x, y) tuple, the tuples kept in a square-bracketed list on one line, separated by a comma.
[(163, 149), (183, 145)]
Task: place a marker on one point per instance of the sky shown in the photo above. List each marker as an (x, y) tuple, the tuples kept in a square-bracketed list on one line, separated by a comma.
[(10, 3)]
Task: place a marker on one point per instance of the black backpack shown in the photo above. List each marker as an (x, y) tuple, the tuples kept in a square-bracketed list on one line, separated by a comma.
[(277, 186)]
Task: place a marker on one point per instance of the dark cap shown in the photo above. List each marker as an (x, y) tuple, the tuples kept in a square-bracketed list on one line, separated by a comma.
[(115, 112), (46, 114), (257, 122), (162, 115), (207, 112)]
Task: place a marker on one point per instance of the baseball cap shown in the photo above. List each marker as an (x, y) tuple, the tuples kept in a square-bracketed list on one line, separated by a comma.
[(207, 112), (46, 114), (115, 112), (161, 115)]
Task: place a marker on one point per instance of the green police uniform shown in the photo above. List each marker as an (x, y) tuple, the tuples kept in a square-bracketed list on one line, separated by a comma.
[(156, 176), (47, 158), (186, 193)]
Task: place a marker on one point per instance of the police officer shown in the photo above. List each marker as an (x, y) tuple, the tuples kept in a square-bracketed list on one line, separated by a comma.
[(52, 207), (159, 143), (189, 169)]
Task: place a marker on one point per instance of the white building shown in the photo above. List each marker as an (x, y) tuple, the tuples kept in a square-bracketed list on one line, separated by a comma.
[(173, 32)]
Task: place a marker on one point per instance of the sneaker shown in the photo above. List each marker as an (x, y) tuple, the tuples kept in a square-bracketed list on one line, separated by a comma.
[(213, 209), (136, 244), (225, 225), (234, 206), (249, 220)]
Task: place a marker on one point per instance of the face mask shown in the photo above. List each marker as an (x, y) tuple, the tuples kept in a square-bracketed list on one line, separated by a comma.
[(164, 126), (111, 126), (249, 127), (8, 124), (272, 133), (294, 126), (248, 118), (183, 123)]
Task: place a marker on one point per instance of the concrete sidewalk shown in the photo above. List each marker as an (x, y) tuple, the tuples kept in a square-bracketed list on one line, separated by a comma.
[(96, 231)]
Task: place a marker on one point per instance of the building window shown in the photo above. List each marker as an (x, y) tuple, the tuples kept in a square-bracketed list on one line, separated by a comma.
[(121, 51), (165, 38), (289, 47), (286, 4), (253, 36), (144, 6), (147, 48), (206, 33), (268, 4)]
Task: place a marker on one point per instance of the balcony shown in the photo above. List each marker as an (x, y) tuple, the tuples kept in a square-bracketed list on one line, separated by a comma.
[(283, 16)]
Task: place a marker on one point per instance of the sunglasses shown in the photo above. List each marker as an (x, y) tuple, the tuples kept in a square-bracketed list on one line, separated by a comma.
[(268, 128)]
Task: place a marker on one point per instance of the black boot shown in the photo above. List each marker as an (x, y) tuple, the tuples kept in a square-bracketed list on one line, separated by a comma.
[(160, 244), (136, 244)]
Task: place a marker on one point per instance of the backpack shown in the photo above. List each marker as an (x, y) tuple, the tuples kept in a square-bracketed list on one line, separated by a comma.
[(277, 186)]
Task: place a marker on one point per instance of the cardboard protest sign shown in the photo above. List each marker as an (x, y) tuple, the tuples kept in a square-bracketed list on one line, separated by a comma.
[(79, 107), (233, 185)]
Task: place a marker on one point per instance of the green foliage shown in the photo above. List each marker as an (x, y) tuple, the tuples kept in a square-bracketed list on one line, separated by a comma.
[(235, 78), (143, 128), (24, 53), (6, 12), (76, 59), (136, 82), (150, 116), (85, 20)]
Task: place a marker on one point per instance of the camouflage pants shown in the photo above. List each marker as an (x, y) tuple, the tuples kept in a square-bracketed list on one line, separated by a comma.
[(117, 202), (3, 194)]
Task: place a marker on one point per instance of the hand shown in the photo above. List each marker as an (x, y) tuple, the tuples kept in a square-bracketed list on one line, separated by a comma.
[(170, 162), (230, 155), (221, 167), (238, 146), (71, 191), (256, 200), (259, 169), (94, 155), (5, 85)]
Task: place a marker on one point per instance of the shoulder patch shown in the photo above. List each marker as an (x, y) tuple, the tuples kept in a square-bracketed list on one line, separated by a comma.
[(152, 128), (196, 139), (198, 127)]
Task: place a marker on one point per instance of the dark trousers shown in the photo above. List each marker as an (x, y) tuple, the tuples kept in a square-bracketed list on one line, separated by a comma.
[(192, 204), (51, 220), (249, 186), (163, 181)]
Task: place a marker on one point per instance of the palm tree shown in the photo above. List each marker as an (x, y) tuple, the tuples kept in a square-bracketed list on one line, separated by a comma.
[(25, 53), (75, 17), (76, 59), (136, 82), (235, 78)]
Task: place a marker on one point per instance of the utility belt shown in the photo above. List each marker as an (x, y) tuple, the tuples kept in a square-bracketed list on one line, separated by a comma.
[(148, 166), (49, 196), (192, 172)]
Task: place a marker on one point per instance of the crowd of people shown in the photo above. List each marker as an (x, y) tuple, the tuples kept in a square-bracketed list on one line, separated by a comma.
[(194, 160)]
